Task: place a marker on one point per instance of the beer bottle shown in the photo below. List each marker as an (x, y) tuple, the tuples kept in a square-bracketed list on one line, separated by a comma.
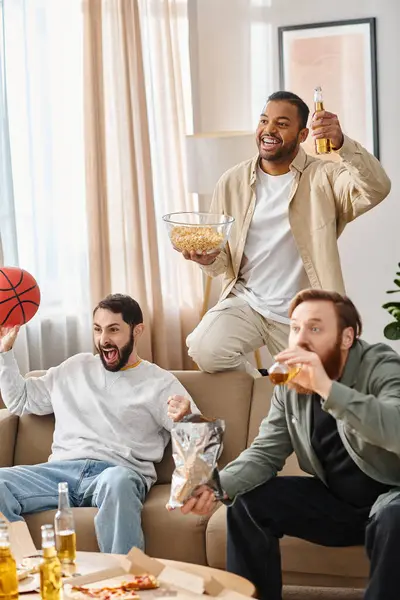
[(50, 566), (323, 145), (8, 567), (65, 527)]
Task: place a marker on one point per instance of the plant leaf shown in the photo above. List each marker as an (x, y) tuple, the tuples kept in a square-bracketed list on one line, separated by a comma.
[(397, 282), (392, 331), (392, 291), (391, 305)]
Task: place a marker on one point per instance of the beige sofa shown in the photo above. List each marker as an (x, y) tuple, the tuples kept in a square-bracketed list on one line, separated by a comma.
[(242, 402)]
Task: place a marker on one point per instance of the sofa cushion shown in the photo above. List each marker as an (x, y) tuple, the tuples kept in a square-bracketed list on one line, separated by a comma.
[(34, 445), (8, 435), (170, 534), (159, 526), (226, 396), (165, 468), (85, 534), (34, 439), (298, 556), (262, 394), (216, 539)]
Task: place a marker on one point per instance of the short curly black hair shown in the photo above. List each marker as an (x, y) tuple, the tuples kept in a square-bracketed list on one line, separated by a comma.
[(302, 107), (123, 305)]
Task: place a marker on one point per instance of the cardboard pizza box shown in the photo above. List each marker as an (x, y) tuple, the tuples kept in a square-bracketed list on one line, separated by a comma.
[(20, 539), (137, 562)]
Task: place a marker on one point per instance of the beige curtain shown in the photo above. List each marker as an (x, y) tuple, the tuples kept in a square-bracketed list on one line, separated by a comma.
[(135, 124)]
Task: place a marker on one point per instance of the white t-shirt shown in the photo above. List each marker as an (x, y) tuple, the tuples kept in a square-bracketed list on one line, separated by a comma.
[(272, 271), (118, 417)]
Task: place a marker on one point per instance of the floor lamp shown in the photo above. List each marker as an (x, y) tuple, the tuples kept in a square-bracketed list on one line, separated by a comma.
[(208, 156)]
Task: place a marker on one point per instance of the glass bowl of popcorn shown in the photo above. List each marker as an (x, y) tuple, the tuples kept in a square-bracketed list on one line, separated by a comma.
[(198, 231)]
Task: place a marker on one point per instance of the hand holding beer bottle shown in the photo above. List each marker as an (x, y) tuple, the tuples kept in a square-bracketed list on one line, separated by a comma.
[(325, 126)]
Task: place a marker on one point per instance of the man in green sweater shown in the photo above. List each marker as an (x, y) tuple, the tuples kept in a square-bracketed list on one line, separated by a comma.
[(341, 417)]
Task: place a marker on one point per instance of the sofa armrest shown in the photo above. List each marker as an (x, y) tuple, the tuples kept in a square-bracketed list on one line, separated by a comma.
[(8, 437)]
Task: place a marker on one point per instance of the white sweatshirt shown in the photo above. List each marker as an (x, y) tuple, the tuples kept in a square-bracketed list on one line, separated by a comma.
[(117, 417)]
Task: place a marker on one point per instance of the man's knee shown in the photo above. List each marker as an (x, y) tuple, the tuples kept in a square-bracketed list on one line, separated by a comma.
[(117, 481), (211, 361), (263, 501), (388, 519), (9, 505), (6, 474), (208, 353)]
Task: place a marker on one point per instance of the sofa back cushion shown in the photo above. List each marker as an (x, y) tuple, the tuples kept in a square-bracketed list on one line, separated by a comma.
[(261, 402), (34, 439), (221, 395)]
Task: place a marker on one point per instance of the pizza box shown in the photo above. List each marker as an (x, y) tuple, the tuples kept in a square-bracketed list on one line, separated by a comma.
[(183, 585), (20, 539)]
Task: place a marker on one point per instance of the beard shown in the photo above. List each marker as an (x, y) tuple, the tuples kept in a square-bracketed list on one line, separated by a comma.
[(331, 361), (281, 154), (123, 354)]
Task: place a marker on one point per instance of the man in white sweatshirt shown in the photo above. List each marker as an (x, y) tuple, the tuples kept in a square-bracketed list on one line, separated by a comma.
[(113, 417)]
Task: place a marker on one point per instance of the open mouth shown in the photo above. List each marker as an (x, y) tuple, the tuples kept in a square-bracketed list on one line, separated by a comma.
[(111, 355), (270, 143)]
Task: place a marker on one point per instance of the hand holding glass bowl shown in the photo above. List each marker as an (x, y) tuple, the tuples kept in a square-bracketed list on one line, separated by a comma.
[(199, 236)]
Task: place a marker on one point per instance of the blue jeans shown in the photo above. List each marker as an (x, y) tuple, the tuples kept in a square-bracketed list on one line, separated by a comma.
[(118, 492)]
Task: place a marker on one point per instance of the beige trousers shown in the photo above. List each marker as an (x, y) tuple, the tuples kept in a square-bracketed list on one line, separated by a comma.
[(229, 331)]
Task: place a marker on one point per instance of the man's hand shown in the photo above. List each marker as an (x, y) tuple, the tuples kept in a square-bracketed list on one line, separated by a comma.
[(326, 125), (203, 258), (8, 336), (201, 503), (312, 375), (178, 407)]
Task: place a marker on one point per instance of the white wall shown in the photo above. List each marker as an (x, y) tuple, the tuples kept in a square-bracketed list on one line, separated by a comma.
[(234, 60)]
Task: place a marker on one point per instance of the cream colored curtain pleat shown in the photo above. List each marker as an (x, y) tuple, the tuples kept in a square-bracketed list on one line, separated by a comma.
[(95, 149), (123, 240)]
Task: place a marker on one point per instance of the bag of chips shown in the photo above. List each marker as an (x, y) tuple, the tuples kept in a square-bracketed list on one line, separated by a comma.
[(196, 448)]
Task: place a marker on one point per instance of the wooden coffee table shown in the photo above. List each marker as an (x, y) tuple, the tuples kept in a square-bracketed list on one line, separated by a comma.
[(94, 561)]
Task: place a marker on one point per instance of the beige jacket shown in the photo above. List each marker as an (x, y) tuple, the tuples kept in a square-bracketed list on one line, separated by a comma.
[(325, 196)]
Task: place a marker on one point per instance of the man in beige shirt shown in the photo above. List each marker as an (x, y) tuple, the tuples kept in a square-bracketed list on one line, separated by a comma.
[(289, 210)]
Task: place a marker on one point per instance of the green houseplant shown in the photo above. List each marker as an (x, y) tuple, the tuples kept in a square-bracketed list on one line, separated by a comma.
[(392, 330)]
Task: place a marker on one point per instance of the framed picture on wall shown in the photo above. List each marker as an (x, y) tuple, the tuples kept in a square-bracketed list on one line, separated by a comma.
[(341, 58)]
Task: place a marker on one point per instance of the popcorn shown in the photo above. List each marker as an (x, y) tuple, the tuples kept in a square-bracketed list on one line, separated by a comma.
[(197, 239)]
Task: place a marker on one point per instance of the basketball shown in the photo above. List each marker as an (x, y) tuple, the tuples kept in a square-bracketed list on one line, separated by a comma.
[(19, 296)]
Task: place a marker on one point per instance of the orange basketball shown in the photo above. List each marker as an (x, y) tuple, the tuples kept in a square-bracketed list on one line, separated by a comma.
[(19, 296)]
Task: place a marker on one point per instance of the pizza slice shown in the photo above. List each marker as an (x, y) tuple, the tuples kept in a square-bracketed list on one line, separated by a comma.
[(104, 593), (125, 591), (143, 582)]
